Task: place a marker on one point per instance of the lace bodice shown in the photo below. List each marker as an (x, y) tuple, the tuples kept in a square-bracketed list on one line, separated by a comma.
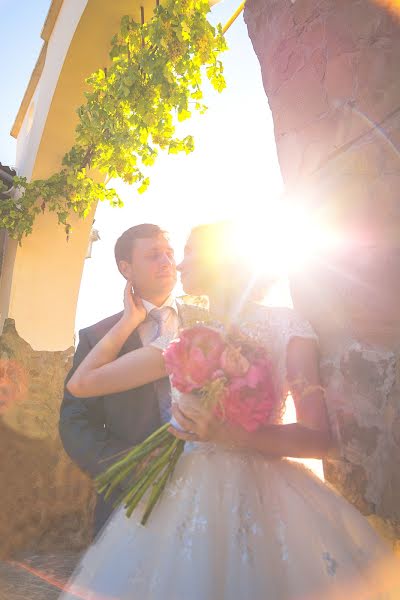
[(273, 327)]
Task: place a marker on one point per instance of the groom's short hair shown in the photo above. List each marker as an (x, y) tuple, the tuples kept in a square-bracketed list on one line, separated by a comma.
[(124, 244)]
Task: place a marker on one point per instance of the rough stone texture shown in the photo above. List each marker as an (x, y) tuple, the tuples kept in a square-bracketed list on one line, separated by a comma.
[(331, 73), (36, 576), (46, 502)]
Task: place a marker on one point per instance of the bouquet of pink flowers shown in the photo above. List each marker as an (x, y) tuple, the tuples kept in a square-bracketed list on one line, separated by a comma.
[(229, 375)]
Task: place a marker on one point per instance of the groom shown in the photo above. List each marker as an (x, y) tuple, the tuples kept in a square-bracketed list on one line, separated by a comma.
[(94, 430)]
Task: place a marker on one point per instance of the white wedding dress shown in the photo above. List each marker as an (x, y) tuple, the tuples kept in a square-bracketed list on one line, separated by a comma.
[(237, 526)]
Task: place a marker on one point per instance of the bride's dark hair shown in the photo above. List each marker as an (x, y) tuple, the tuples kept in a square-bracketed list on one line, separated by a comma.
[(221, 240)]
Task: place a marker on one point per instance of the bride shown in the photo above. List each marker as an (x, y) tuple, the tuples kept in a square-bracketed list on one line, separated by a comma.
[(238, 520)]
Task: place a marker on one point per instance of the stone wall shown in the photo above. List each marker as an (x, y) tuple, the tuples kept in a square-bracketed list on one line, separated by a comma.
[(331, 73), (46, 502)]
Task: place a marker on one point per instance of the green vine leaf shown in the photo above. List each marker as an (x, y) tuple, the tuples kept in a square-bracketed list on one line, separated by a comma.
[(132, 107)]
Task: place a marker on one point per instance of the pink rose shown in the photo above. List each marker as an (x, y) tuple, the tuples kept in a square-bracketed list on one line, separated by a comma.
[(193, 358)]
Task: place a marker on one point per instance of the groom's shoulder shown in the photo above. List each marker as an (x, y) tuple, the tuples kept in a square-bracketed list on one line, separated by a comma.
[(99, 329)]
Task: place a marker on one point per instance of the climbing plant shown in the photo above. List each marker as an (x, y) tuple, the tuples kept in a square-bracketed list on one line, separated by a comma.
[(132, 107)]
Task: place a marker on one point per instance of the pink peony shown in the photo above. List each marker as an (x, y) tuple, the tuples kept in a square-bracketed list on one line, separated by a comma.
[(247, 410), (233, 363), (250, 400), (194, 357), (201, 356)]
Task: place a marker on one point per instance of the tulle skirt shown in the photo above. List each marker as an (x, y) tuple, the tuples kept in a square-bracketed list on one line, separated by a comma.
[(236, 526)]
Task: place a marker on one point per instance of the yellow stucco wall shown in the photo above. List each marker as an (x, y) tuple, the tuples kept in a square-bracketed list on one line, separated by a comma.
[(40, 280)]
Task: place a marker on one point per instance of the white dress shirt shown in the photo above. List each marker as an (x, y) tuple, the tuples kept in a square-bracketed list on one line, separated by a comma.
[(148, 329)]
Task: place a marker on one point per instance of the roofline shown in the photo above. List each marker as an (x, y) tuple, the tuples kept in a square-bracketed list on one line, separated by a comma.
[(31, 87), (46, 32), (51, 19)]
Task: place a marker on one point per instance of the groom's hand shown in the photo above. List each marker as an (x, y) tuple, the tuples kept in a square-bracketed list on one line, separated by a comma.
[(134, 310)]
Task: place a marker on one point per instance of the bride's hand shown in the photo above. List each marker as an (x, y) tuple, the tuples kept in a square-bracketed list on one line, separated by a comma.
[(134, 311), (203, 426)]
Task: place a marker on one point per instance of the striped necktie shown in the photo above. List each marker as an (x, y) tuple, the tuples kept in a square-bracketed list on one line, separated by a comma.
[(163, 388)]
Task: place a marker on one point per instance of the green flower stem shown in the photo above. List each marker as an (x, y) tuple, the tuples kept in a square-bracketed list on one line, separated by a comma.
[(141, 491), (156, 433), (152, 468), (131, 473), (130, 469), (160, 484), (138, 451), (117, 479), (127, 496), (111, 485), (139, 454), (149, 477)]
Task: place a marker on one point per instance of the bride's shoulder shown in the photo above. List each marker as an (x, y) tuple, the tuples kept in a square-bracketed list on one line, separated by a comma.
[(270, 314), (281, 320), (265, 321)]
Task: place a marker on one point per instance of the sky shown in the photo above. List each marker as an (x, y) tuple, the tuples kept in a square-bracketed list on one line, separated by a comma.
[(20, 43), (233, 172)]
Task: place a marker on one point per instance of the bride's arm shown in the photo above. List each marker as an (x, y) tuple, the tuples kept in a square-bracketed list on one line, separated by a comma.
[(310, 437), (101, 372)]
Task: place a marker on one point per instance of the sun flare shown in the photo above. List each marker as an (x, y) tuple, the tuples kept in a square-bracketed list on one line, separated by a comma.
[(281, 239)]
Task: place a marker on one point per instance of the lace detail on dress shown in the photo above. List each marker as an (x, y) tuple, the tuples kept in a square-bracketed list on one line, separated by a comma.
[(247, 528), (274, 327), (192, 526), (331, 564)]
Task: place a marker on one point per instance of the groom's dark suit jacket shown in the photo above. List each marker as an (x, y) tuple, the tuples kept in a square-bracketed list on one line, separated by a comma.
[(95, 429)]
